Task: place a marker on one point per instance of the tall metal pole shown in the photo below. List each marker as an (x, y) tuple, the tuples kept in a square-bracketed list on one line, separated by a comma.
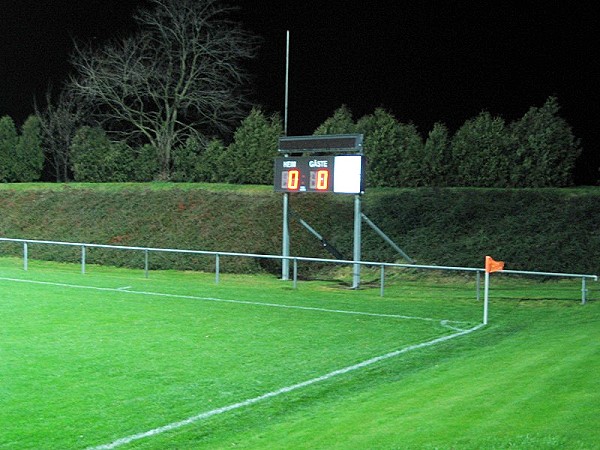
[(486, 297), (287, 72), (285, 251), (357, 243)]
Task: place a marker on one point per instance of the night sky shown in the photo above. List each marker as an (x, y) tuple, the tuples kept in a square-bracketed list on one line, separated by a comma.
[(423, 61)]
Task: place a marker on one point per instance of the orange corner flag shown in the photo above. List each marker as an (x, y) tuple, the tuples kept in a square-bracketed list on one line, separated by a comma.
[(493, 266)]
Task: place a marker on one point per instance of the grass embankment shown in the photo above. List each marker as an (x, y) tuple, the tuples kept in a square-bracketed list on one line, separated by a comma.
[(545, 229), (86, 366)]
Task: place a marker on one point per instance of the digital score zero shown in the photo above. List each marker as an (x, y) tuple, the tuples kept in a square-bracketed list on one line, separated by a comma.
[(342, 174)]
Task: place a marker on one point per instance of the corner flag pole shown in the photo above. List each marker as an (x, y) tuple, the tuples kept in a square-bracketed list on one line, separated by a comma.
[(486, 293), (490, 266)]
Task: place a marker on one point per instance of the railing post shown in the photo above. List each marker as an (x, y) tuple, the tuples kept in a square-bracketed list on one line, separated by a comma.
[(583, 291), (381, 280), (146, 263), (83, 259), (217, 268), (295, 273), (478, 285), (25, 257)]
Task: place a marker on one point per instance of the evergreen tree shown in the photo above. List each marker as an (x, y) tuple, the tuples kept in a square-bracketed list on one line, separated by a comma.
[(340, 123), (481, 152), (29, 154), (394, 151), (8, 142), (546, 150), (436, 156), (253, 148)]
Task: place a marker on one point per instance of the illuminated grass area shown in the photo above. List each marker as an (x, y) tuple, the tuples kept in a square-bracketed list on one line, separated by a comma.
[(90, 359)]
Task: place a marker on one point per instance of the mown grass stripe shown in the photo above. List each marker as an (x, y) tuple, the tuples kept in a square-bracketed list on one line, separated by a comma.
[(205, 415), (443, 322)]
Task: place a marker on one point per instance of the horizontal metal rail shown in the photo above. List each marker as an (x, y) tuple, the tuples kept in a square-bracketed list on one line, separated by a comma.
[(248, 255), (294, 259), (549, 274)]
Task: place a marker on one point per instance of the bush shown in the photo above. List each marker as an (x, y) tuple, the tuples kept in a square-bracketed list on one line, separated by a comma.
[(145, 164), (96, 158), (213, 164), (185, 160), (546, 230)]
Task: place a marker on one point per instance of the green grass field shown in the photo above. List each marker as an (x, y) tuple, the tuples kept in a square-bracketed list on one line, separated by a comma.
[(112, 359)]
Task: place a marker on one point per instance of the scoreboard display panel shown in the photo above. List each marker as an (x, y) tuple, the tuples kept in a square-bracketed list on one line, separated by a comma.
[(342, 174)]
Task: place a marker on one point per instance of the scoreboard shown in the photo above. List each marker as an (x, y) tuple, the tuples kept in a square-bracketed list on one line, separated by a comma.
[(342, 174)]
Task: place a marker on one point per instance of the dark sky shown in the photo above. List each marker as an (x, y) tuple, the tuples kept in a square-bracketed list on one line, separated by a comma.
[(423, 61)]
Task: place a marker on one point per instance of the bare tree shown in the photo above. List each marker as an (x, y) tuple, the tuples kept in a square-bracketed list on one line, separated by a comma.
[(59, 122), (180, 76)]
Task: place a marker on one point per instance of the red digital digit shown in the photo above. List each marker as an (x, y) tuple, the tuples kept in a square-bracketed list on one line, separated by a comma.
[(293, 179), (322, 180)]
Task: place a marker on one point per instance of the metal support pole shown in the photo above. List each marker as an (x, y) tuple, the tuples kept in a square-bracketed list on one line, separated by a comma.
[(583, 291), (386, 238), (295, 273), (381, 280), (217, 268), (25, 257), (478, 285), (357, 243), (326, 245), (83, 259), (146, 263), (285, 251)]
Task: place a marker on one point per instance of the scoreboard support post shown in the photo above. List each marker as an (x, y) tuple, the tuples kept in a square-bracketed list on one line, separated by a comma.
[(285, 244), (357, 242), (327, 164)]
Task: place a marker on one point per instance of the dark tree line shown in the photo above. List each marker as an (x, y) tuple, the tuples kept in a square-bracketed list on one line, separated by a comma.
[(168, 103), (538, 150)]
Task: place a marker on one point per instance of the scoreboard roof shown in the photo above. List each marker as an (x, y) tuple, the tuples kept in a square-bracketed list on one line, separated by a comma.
[(333, 143)]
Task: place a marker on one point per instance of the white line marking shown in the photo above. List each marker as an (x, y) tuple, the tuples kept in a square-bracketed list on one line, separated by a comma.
[(284, 390), (124, 288), (444, 323)]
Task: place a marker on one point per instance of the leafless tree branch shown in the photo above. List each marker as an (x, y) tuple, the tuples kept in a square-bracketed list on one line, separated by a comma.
[(179, 76), (59, 121)]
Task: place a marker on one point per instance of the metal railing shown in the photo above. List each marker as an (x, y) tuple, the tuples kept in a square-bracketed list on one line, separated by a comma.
[(294, 259)]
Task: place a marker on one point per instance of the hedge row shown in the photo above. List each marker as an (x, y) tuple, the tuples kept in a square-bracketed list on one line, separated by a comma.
[(547, 230)]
